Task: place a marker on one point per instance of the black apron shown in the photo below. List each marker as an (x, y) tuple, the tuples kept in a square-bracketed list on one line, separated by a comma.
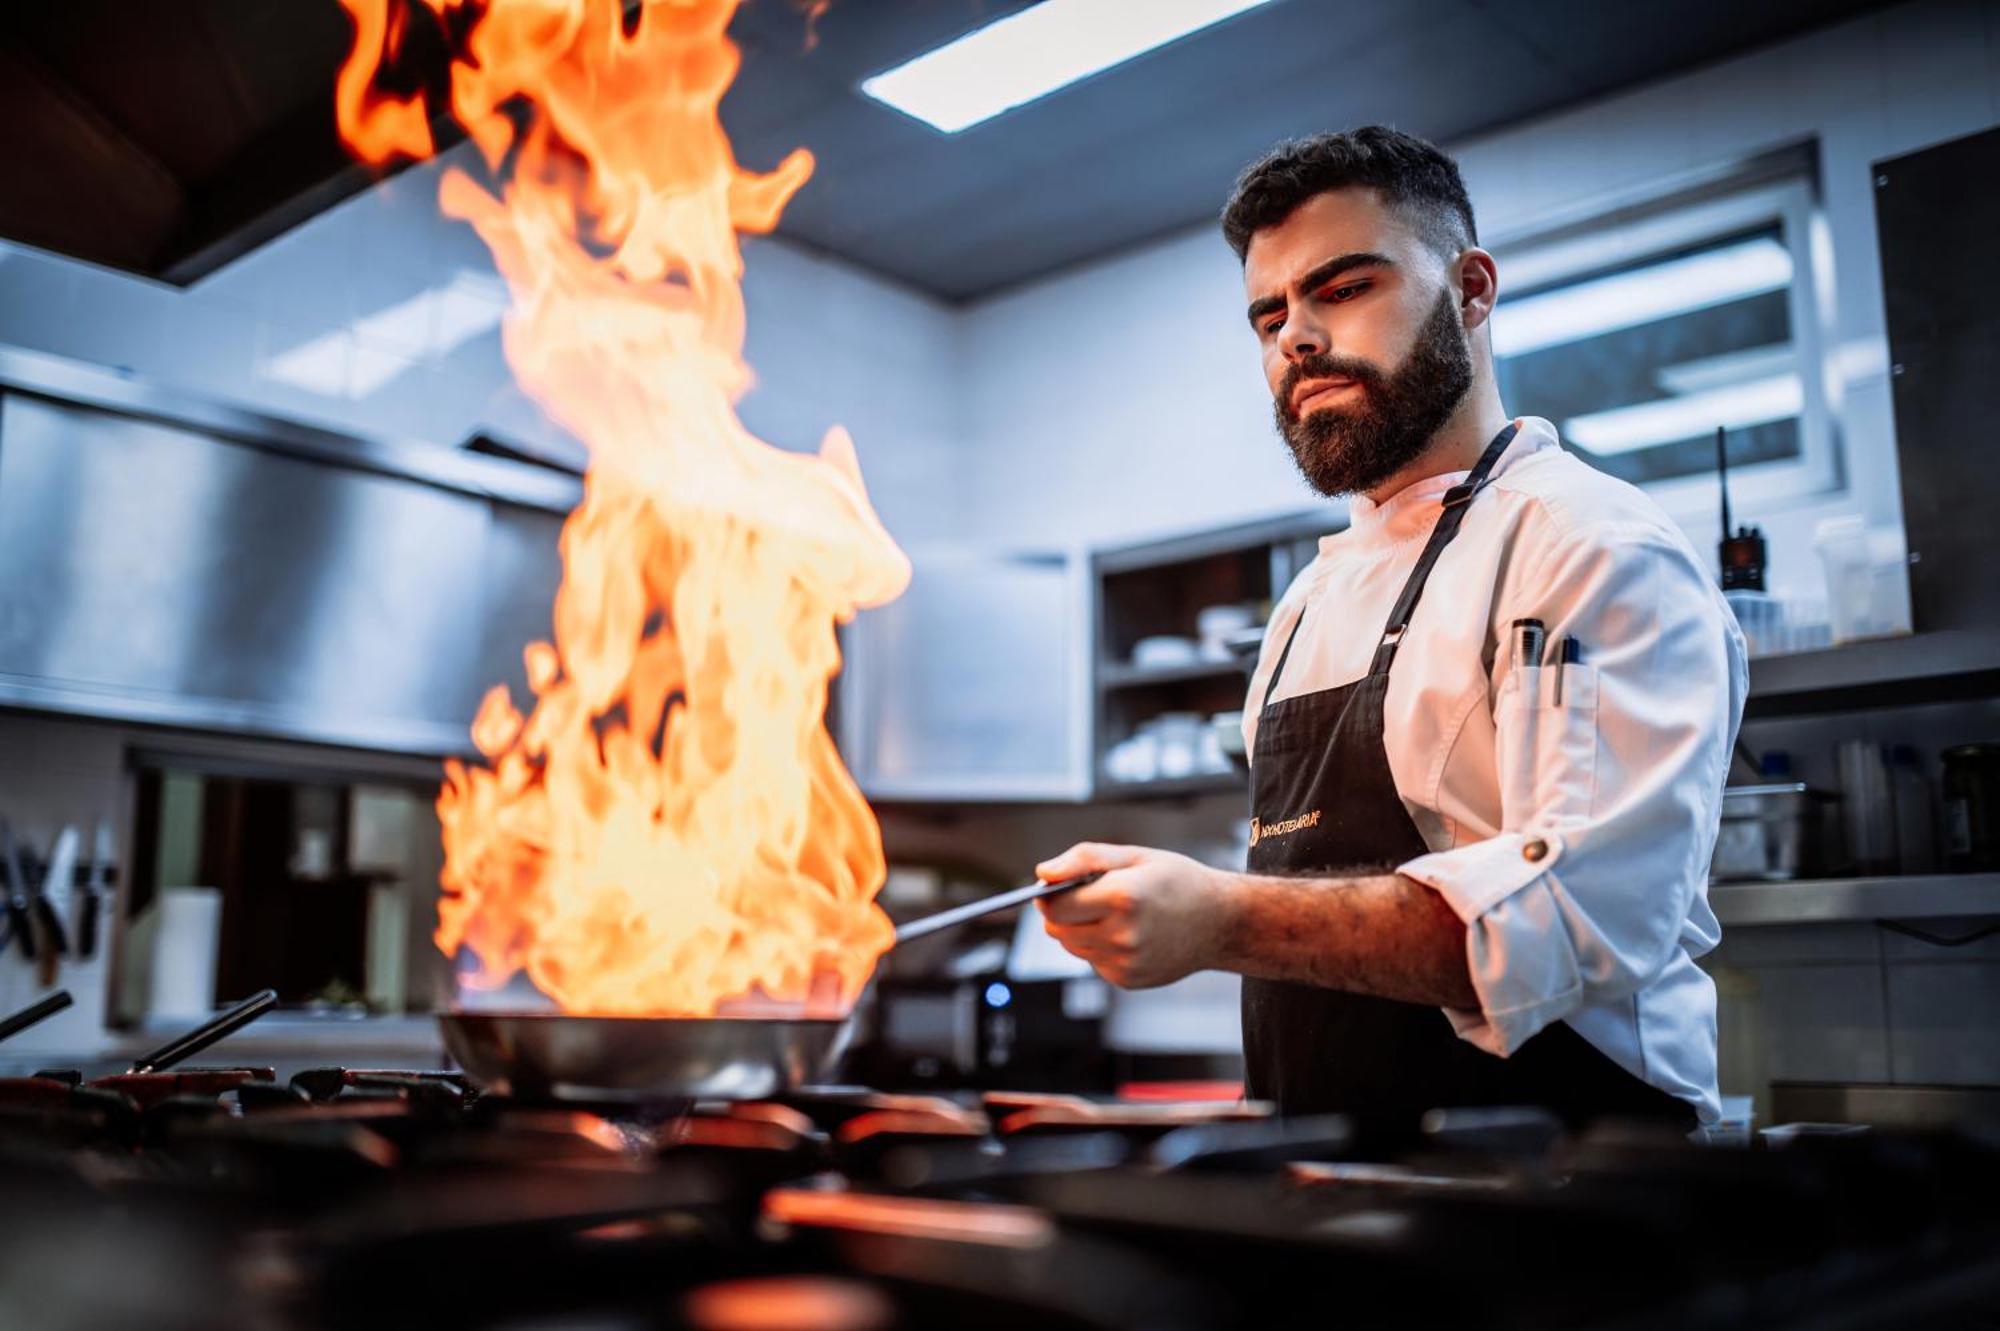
[(1325, 804)]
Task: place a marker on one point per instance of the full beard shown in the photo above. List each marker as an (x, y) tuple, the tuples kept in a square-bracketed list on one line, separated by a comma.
[(1347, 450)]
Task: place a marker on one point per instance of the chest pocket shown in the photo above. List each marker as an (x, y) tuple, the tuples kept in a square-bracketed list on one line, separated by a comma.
[(1546, 746)]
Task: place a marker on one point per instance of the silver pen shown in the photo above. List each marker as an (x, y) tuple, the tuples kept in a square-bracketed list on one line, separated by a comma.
[(1529, 636)]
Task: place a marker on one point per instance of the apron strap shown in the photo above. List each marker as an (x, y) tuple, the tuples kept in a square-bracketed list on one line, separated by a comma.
[(1456, 501), (1278, 671)]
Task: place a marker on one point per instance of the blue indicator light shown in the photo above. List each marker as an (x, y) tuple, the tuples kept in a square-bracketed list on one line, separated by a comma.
[(998, 995)]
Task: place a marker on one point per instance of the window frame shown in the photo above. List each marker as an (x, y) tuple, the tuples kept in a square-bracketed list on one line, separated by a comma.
[(1535, 262)]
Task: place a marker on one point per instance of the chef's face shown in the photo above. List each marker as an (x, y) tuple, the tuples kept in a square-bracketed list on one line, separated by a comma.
[(1364, 345)]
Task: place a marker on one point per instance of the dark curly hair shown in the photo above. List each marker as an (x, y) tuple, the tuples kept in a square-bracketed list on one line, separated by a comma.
[(1411, 174)]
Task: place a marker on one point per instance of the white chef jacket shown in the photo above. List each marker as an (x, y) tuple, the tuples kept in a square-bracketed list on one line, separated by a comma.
[(1622, 781)]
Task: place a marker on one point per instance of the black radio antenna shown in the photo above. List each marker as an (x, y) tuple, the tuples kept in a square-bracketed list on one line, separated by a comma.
[(1722, 476)]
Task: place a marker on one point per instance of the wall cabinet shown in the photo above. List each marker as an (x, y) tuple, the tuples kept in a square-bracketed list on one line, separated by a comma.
[(971, 686)]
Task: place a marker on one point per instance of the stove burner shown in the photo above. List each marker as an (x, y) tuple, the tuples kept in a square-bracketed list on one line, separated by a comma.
[(222, 1196)]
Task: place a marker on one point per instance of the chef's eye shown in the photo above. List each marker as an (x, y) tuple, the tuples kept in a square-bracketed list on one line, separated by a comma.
[(1339, 295)]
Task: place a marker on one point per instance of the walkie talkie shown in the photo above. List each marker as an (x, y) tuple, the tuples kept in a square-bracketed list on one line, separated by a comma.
[(1744, 555)]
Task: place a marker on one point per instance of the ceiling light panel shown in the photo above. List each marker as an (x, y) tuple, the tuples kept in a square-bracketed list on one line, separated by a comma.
[(1031, 54)]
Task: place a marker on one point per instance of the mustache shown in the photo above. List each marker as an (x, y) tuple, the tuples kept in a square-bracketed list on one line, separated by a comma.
[(1326, 367)]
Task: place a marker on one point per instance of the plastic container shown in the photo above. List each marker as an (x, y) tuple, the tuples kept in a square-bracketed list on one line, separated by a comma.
[(1807, 628), (1870, 806), (1916, 813), (1761, 616), (1867, 579)]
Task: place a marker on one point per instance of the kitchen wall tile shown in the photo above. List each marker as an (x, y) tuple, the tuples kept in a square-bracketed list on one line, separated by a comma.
[(399, 223), (302, 372), (1944, 1031), (37, 296), (459, 403), (207, 349), (385, 394), (479, 358), (243, 283), (117, 321), (1827, 1023), (290, 280)]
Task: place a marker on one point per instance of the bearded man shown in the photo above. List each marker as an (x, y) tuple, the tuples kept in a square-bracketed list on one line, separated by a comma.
[(1490, 724)]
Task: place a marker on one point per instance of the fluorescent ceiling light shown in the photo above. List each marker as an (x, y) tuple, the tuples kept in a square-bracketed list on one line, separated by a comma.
[(1645, 424), (1031, 54), (1626, 300)]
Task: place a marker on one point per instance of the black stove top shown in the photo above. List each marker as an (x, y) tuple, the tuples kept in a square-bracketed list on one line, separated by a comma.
[(389, 1198)]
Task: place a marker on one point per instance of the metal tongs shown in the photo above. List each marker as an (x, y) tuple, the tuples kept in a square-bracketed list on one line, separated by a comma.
[(999, 901)]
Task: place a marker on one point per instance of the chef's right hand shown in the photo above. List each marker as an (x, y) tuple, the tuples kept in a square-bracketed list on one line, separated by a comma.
[(1153, 918)]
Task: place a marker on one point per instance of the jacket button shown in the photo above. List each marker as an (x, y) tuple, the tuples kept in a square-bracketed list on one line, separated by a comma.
[(1535, 850)]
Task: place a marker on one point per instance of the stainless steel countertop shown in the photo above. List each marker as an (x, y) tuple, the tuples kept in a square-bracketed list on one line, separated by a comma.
[(1832, 900)]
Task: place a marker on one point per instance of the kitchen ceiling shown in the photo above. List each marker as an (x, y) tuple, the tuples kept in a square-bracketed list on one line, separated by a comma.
[(168, 137)]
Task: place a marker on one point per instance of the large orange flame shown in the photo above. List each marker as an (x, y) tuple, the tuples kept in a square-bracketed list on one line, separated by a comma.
[(670, 830)]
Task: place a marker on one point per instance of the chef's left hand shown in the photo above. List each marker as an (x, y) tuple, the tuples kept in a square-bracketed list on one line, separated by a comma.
[(1154, 917)]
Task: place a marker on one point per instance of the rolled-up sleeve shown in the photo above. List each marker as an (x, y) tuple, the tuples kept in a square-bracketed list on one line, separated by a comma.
[(1609, 796)]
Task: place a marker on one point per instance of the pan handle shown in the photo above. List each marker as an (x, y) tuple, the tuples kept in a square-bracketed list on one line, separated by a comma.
[(201, 1037), (1020, 896), (35, 1012)]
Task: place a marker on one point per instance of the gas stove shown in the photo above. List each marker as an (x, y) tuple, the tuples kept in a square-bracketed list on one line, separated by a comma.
[(365, 1198)]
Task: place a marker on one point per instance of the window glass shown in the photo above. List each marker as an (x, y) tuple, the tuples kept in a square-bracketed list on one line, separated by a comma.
[(1640, 335), (1640, 364)]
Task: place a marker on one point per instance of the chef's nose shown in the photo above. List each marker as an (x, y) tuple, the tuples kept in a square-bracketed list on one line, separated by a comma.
[(1302, 336)]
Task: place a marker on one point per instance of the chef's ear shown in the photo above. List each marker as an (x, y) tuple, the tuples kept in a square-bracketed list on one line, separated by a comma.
[(1478, 279)]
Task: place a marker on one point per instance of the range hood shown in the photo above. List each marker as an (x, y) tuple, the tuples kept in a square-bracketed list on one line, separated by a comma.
[(165, 139)]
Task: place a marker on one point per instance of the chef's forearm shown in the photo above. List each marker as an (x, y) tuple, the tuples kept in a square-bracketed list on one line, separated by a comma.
[(1385, 935)]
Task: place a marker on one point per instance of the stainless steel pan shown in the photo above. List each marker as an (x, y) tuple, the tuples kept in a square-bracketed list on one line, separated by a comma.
[(550, 1054)]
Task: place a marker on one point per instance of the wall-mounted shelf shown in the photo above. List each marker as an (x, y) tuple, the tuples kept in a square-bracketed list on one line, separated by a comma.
[(1949, 665), (1833, 900), (1160, 588), (1119, 675)]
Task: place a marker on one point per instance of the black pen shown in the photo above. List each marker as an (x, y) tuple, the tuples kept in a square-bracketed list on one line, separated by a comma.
[(1571, 653)]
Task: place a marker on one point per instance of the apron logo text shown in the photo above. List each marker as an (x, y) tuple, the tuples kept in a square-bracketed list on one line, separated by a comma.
[(1261, 830)]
